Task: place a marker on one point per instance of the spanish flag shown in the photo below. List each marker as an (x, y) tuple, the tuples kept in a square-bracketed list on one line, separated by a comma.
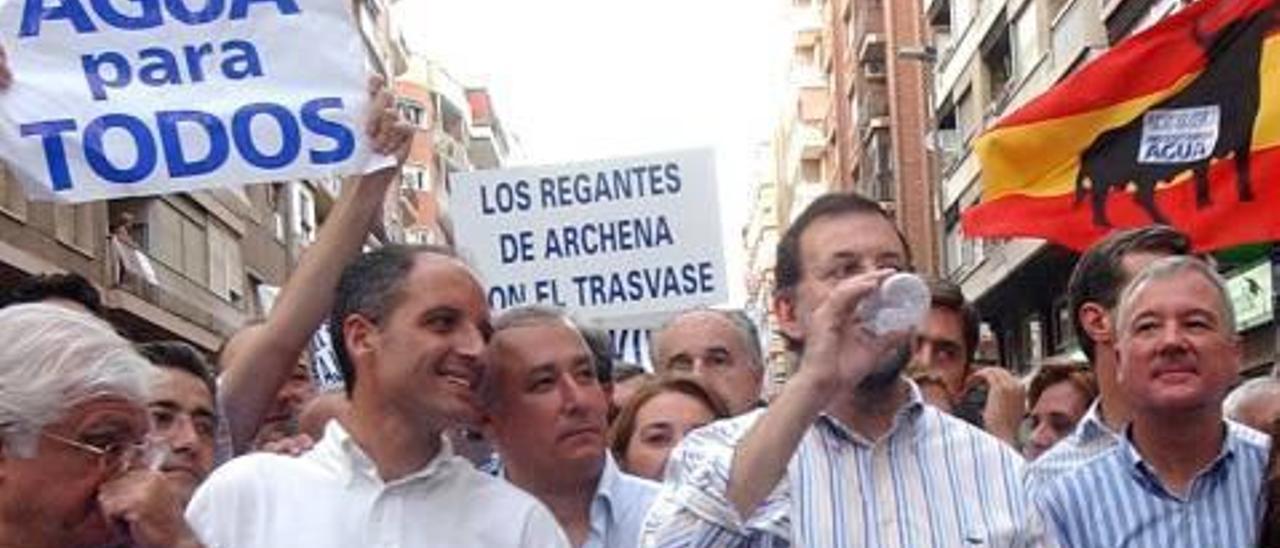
[(1179, 124)]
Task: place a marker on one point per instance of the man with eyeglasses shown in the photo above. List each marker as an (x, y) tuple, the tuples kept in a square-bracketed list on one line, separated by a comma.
[(75, 468)]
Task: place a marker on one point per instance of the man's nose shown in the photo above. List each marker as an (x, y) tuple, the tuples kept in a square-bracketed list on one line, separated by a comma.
[(470, 342)]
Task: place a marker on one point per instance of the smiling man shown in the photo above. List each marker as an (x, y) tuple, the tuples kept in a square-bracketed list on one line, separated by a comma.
[(1180, 475), (547, 417), (409, 323)]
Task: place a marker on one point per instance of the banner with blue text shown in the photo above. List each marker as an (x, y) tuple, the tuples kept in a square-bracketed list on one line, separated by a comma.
[(609, 240), (115, 98)]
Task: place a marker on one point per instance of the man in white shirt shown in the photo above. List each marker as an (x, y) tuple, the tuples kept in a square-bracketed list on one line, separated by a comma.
[(546, 413), (409, 324)]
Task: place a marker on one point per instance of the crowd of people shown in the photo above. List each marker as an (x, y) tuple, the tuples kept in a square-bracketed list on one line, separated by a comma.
[(458, 427)]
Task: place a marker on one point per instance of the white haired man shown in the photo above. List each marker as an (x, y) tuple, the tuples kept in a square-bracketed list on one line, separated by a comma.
[(73, 431), (1180, 475)]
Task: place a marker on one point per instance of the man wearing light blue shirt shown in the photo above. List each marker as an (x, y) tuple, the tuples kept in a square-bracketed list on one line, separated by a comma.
[(1093, 290), (546, 414), (1180, 475), (847, 454)]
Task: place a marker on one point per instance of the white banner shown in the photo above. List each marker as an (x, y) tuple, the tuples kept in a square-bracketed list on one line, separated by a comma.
[(607, 239), (119, 98)]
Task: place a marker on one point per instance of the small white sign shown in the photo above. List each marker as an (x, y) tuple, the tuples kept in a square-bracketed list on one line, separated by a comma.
[(606, 239), (115, 99), (1175, 136)]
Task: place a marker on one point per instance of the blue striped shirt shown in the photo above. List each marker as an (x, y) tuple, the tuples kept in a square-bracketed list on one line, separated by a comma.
[(1091, 438), (932, 480), (1116, 500)]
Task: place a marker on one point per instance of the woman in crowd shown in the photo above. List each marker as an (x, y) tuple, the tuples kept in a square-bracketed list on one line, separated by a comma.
[(1059, 396), (655, 418)]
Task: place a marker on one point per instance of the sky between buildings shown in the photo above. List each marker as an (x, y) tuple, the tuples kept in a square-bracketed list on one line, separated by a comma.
[(586, 79)]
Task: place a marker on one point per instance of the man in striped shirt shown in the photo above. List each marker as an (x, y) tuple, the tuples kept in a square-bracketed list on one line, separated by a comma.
[(1180, 475), (1092, 292), (847, 454)]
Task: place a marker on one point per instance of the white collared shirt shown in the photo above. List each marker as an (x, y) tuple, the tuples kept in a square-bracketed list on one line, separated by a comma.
[(332, 497), (619, 507)]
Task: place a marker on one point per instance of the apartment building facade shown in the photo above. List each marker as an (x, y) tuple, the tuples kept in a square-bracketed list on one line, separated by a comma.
[(878, 123)]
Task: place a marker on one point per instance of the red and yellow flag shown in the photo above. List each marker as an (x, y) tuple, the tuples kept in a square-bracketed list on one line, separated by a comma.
[(1178, 124)]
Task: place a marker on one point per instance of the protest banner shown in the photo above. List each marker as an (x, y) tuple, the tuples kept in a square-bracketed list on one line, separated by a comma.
[(609, 240), (115, 99)]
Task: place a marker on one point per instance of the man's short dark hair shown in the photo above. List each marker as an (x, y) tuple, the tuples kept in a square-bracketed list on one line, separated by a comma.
[(181, 356), (788, 268), (70, 286), (369, 286), (948, 295), (1099, 277), (623, 371), (601, 345)]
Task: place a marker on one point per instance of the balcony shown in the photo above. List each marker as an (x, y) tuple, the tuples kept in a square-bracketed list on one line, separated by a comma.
[(873, 108), (813, 140), (868, 33), (132, 271), (876, 179)]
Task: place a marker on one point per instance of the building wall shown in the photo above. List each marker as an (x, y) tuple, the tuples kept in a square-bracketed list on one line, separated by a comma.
[(880, 114)]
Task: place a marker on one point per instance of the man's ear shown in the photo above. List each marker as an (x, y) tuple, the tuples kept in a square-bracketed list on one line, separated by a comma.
[(360, 336), (784, 308), (1097, 323)]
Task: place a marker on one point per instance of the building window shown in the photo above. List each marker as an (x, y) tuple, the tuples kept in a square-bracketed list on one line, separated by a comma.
[(1026, 40), (946, 139), (412, 112), (304, 215), (969, 116), (177, 241), (940, 27), (226, 267), (73, 225), (997, 64)]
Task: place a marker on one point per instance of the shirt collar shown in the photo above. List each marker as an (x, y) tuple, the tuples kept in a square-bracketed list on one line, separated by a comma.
[(906, 416), (606, 488), (1092, 426), (1146, 475), (353, 463)]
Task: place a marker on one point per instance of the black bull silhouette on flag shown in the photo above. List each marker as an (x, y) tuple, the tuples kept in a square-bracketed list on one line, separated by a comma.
[(1230, 86)]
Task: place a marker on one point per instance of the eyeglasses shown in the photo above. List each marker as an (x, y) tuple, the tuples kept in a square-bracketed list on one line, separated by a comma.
[(116, 458)]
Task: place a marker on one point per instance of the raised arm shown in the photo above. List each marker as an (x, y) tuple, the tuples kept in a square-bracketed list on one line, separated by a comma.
[(839, 352), (258, 360)]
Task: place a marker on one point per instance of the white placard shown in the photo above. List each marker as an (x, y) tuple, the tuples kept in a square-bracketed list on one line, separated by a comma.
[(119, 98), (606, 239)]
